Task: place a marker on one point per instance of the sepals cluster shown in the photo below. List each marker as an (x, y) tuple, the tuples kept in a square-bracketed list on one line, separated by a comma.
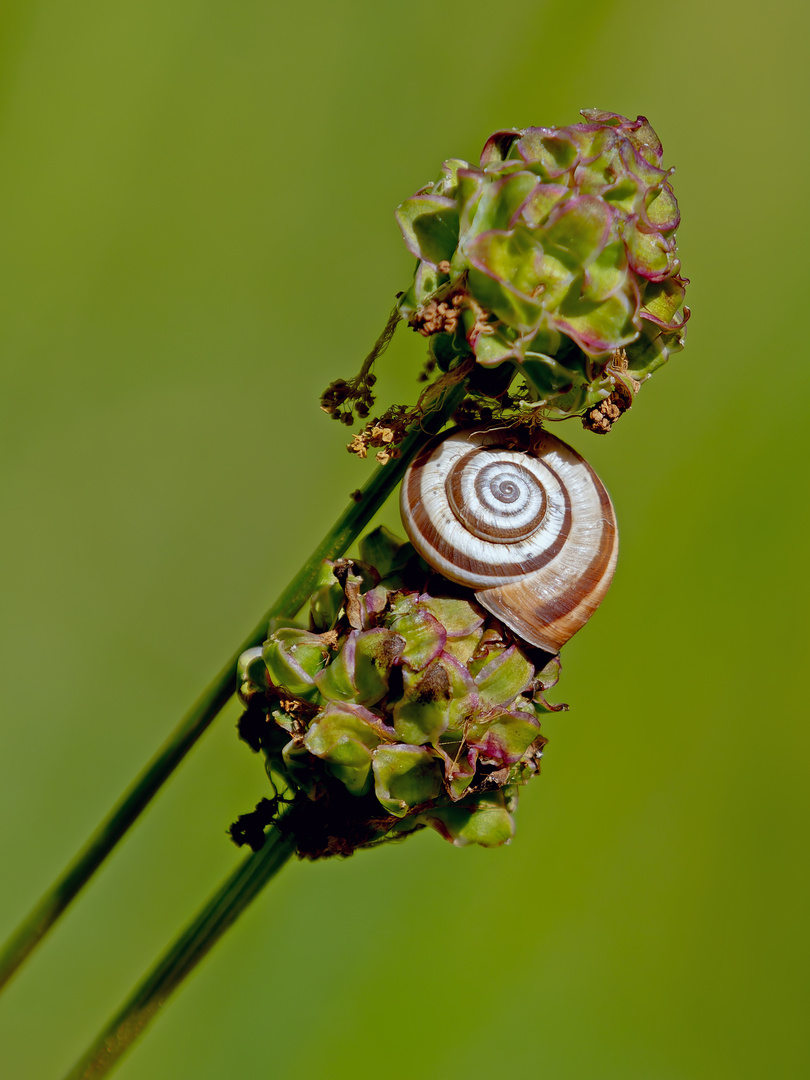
[(403, 705), (556, 255)]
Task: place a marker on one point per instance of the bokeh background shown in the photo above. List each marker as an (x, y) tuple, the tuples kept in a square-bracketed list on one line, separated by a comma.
[(196, 229)]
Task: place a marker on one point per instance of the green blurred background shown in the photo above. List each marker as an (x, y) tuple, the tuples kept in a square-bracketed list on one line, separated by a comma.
[(196, 229)]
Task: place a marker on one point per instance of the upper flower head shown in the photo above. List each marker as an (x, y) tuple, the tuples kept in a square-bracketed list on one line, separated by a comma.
[(557, 253)]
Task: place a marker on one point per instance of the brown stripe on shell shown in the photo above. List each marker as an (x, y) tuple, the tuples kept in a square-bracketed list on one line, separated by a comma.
[(504, 533), (549, 624), (420, 527)]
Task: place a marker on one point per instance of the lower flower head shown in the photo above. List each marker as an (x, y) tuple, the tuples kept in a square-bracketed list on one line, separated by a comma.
[(404, 705)]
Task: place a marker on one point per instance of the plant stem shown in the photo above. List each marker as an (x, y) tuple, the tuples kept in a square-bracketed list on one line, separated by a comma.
[(216, 695), (221, 911)]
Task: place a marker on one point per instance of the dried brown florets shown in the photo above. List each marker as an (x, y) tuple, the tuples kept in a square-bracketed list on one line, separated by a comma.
[(602, 418), (438, 316), (343, 398), (358, 445), (385, 432)]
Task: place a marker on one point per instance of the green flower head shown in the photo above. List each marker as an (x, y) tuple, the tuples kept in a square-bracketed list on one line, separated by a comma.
[(414, 707), (556, 254)]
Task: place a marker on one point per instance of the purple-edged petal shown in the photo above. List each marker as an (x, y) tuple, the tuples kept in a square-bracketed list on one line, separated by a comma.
[(424, 637), (501, 200), (553, 150), (376, 653), (293, 658), (429, 225), (460, 762), (603, 116), (344, 737), (491, 349), (503, 678), (405, 777), (648, 253), (441, 696), (663, 303), (540, 202), (660, 210), (476, 819), (336, 682), (645, 139), (634, 161), (505, 274), (607, 274), (497, 146), (578, 230), (471, 185), (597, 327), (505, 737), (458, 617)]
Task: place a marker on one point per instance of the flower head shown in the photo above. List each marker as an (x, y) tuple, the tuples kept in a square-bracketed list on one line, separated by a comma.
[(556, 255), (404, 705)]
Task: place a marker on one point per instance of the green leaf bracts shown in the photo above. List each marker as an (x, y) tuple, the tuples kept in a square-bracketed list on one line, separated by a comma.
[(414, 707), (556, 255)]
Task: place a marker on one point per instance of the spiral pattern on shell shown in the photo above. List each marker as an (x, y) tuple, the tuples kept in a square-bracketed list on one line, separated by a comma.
[(533, 532)]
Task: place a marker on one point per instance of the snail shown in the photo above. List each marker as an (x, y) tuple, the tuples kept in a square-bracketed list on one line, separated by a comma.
[(531, 530)]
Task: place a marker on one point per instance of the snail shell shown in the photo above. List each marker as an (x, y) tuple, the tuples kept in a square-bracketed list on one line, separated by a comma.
[(533, 532)]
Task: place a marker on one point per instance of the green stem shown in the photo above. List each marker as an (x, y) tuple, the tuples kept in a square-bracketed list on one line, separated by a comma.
[(215, 696), (221, 911)]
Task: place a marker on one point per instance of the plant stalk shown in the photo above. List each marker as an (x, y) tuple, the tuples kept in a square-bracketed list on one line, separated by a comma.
[(215, 696), (180, 959)]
